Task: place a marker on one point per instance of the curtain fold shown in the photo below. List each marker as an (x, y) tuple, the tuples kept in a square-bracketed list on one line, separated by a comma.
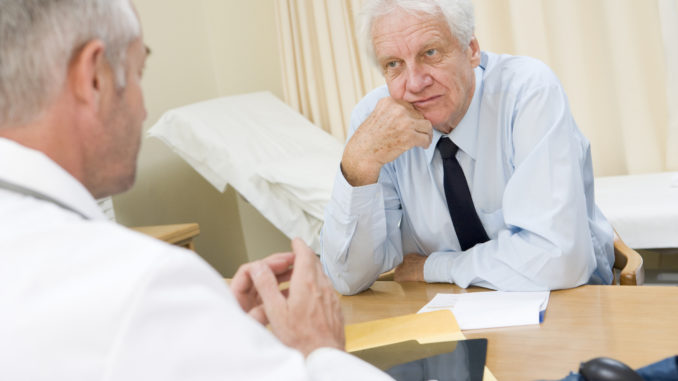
[(325, 71), (617, 60), (668, 13)]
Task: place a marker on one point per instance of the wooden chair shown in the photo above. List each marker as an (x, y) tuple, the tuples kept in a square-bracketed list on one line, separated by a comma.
[(629, 263)]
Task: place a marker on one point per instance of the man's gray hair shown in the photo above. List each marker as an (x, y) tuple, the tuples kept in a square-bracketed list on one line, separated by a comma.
[(39, 38), (457, 13)]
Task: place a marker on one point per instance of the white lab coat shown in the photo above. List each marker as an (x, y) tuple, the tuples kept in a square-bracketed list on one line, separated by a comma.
[(90, 300)]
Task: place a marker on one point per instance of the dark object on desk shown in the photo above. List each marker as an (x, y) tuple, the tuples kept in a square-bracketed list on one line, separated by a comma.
[(607, 369), (664, 370), (412, 361)]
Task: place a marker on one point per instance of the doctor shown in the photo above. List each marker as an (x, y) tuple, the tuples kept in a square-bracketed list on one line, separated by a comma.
[(83, 298), (467, 167)]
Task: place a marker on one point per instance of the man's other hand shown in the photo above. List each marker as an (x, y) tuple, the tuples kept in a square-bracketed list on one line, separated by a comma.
[(412, 269), (310, 316), (243, 288), (391, 129)]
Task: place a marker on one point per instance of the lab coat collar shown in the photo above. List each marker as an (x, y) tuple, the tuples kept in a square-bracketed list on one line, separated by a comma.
[(32, 169)]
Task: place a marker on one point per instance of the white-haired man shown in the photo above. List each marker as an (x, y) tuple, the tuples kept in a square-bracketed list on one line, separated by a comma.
[(467, 167), (85, 299)]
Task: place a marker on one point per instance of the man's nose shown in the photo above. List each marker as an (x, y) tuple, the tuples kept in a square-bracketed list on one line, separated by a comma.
[(418, 79)]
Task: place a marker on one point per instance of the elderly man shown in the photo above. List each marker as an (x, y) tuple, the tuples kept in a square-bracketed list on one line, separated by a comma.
[(83, 298), (467, 167)]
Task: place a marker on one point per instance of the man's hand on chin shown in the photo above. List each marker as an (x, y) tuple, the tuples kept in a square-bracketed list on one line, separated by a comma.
[(412, 269)]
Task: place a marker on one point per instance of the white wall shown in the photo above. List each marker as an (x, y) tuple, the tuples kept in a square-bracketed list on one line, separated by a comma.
[(202, 49)]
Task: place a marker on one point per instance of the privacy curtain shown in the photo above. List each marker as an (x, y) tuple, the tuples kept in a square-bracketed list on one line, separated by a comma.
[(325, 70), (617, 60)]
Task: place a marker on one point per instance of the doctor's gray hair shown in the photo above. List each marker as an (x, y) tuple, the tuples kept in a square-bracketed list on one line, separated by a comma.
[(38, 40), (458, 14)]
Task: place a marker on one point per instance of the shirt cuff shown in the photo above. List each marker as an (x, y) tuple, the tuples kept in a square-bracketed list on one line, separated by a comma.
[(438, 266), (353, 200)]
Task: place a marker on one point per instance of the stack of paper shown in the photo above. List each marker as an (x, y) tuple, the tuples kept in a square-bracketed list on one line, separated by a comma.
[(478, 310)]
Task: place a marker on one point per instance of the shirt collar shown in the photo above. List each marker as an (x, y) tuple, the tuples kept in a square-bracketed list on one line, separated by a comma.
[(465, 135), (32, 169)]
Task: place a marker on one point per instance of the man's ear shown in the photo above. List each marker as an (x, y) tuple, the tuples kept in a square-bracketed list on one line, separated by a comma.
[(88, 72), (473, 52)]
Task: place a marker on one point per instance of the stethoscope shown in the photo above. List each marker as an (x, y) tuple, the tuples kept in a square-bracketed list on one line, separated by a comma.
[(40, 196)]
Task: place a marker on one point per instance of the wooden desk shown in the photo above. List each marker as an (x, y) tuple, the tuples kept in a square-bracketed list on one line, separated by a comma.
[(637, 325), (178, 234)]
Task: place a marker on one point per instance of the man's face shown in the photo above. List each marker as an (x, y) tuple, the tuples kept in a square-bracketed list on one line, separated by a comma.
[(424, 64), (122, 114)]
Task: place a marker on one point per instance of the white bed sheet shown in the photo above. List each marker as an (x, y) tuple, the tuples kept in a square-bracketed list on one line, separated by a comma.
[(276, 159), (642, 208)]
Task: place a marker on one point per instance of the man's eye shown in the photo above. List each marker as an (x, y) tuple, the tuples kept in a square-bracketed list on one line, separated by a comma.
[(431, 52), (392, 64)]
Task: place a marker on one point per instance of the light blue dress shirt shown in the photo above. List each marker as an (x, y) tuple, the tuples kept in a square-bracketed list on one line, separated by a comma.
[(529, 171)]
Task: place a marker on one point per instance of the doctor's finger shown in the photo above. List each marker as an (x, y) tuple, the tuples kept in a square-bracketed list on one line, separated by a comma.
[(322, 279), (284, 277), (267, 286), (279, 263), (304, 262), (259, 314), (241, 281)]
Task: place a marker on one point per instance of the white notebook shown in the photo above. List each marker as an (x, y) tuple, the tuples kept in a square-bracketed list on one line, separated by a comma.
[(476, 310)]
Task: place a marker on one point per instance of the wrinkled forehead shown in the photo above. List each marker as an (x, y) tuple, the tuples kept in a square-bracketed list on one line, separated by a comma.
[(406, 22), (405, 27)]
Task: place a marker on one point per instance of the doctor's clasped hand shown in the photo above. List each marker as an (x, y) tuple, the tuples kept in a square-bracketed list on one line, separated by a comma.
[(307, 316)]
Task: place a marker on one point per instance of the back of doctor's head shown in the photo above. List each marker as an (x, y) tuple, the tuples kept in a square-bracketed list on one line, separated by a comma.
[(38, 38)]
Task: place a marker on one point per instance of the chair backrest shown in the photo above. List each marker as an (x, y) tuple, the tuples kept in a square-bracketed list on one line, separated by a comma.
[(629, 263)]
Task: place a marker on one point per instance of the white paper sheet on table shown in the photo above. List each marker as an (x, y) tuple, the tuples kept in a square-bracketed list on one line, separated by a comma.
[(492, 309)]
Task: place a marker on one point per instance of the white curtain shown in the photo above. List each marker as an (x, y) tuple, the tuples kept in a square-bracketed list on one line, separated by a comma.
[(613, 58), (668, 12), (325, 72), (617, 60)]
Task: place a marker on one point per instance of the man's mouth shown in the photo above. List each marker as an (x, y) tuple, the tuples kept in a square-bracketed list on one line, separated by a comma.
[(425, 102)]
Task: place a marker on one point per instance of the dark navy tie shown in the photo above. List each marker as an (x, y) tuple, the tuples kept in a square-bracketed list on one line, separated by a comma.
[(466, 223)]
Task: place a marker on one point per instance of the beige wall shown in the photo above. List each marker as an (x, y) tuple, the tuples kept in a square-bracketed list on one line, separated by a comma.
[(202, 49)]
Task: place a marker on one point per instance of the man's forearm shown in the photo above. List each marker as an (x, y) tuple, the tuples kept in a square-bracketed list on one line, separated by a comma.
[(360, 237), (348, 256), (359, 173)]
